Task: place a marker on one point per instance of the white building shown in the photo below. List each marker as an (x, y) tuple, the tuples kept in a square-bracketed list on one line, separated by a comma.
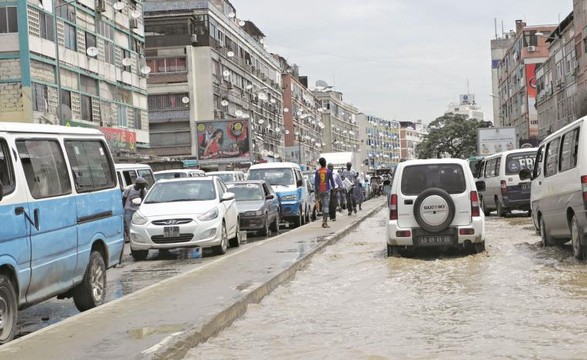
[(466, 106)]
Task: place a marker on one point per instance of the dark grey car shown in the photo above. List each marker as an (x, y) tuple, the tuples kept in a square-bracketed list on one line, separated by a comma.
[(258, 205)]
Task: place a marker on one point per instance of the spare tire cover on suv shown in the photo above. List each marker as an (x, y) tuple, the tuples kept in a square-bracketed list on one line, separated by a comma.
[(434, 210)]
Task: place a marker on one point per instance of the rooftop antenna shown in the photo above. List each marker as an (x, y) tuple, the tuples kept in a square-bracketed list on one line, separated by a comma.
[(495, 26), (502, 32)]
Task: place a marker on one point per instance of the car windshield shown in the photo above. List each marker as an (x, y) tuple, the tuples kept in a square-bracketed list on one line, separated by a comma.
[(170, 175), (225, 177), (172, 191), (246, 192), (516, 162), (417, 178), (283, 176)]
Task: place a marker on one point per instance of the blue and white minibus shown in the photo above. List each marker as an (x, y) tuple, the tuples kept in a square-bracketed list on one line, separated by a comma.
[(61, 217)]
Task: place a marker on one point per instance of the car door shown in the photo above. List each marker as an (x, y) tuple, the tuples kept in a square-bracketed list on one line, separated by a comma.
[(230, 209), (54, 242), (15, 244), (272, 204)]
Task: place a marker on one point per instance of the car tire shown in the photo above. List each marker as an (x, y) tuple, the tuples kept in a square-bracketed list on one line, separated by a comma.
[(479, 247), (91, 292), (544, 236), (500, 210), (9, 309), (450, 208), (577, 238), (265, 230), (275, 225), (236, 240), (298, 220), (221, 249), (392, 251), (139, 255)]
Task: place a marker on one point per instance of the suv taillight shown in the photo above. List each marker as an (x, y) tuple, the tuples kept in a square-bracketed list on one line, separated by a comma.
[(504, 187), (393, 207), (475, 211), (584, 189)]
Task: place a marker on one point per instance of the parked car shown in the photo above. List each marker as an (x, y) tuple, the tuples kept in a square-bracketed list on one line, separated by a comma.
[(504, 190), (287, 181), (257, 204), (184, 213), (228, 176), (559, 187), (127, 173), (61, 218), (178, 173), (434, 203), (316, 209)]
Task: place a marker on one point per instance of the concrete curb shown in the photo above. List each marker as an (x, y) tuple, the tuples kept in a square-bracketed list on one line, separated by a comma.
[(177, 345)]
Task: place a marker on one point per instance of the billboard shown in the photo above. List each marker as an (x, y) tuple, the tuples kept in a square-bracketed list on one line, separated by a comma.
[(494, 140), (223, 141)]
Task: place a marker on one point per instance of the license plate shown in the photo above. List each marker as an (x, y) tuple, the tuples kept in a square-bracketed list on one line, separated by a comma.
[(525, 186), (435, 240), (171, 231)]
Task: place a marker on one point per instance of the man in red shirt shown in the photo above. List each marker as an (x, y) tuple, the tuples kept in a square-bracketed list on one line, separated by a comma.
[(323, 183)]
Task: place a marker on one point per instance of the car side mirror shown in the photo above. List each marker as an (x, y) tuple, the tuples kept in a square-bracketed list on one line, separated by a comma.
[(525, 174), (269, 197), (137, 201), (300, 183), (480, 185), (227, 196)]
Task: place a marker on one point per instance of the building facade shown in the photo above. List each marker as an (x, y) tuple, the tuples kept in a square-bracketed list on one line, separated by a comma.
[(556, 80), (580, 26), (380, 141), (411, 133), (468, 107), (339, 118), (77, 63), (499, 46), (208, 64), (517, 80)]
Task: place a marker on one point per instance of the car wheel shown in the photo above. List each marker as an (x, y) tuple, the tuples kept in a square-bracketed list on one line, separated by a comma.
[(314, 217), (275, 225), (265, 230), (392, 251), (434, 210), (479, 247), (500, 211), (544, 236), (139, 255), (236, 240), (221, 249), (577, 238), (91, 292), (8, 309), (298, 220), (308, 216)]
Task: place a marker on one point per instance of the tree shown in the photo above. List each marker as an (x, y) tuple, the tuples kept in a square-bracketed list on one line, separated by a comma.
[(451, 135)]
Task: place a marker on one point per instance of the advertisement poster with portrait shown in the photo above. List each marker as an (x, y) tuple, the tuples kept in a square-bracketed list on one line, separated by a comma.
[(223, 141)]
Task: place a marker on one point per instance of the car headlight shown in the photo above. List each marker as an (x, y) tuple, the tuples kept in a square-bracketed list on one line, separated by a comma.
[(209, 215), (253, 213), (139, 219), (292, 197)]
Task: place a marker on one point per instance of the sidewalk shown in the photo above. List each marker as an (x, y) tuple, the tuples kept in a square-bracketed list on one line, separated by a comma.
[(166, 319)]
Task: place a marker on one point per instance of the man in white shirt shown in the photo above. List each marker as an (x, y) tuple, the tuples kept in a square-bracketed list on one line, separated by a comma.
[(338, 187)]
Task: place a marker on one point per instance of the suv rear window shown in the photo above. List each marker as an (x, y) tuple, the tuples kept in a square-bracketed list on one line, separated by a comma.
[(417, 178), (516, 162)]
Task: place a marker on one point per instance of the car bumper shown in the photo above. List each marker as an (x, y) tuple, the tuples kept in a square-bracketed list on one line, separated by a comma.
[(203, 234), (251, 223), (290, 208), (477, 228)]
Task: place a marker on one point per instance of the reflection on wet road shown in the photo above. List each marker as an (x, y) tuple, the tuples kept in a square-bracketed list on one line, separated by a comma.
[(517, 301)]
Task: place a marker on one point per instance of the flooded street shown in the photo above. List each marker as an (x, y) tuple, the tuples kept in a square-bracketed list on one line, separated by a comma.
[(515, 301)]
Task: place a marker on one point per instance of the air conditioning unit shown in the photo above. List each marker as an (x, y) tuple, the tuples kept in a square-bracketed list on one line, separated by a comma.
[(134, 23), (100, 6), (531, 48), (194, 39)]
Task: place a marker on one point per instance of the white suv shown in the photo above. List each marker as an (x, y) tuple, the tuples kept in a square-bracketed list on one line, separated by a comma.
[(434, 203)]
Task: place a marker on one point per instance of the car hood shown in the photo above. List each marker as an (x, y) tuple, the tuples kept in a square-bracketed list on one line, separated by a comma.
[(189, 208), (284, 188), (255, 205)]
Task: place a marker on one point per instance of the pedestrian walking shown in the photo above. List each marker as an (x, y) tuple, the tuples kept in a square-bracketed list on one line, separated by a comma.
[(338, 187), (350, 175), (131, 192), (323, 183)]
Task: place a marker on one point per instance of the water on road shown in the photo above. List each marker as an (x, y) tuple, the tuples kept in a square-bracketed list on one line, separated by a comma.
[(515, 301)]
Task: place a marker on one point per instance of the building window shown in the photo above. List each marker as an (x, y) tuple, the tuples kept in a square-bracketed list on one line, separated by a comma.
[(66, 98), (88, 85), (40, 97), (86, 107), (90, 40), (138, 119), (167, 65), (167, 102), (104, 29), (122, 116), (46, 26), (109, 52), (65, 10), (69, 36), (8, 20)]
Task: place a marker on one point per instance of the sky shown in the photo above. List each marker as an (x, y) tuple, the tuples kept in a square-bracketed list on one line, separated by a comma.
[(396, 59)]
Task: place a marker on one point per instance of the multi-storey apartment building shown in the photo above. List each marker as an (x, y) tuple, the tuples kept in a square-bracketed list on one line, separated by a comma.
[(499, 46), (556, 80), (339, 118), (380, 141), (411, 133), (76, 63), (208, 64), (301, 117), (517, 80)]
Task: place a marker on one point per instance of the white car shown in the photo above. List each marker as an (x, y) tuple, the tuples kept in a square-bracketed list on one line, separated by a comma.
[(434, 203), (185, 213)]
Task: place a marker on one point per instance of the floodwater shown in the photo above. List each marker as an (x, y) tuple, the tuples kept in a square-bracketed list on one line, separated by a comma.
[(515, 301)]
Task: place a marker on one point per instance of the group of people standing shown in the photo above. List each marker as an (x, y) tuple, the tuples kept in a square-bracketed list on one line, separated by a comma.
[(336, 190)]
